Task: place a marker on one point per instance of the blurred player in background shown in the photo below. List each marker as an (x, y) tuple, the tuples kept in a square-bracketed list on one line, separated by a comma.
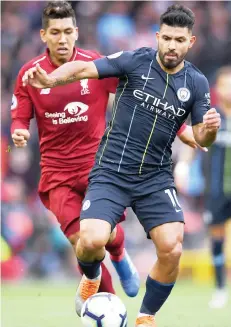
[(217, 172), (157, 91), (71, 122)]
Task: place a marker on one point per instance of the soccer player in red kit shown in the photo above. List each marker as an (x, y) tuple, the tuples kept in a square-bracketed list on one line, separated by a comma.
[(71, 122)]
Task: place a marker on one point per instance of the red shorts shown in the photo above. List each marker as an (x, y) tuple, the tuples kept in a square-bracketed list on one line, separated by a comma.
[(63, 193)]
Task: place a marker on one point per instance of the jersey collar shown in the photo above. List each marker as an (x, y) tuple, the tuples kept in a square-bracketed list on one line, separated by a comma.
[(73, 57)]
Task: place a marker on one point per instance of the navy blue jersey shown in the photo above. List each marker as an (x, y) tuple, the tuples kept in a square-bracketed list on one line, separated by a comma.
[(217, 162), (149, 108)]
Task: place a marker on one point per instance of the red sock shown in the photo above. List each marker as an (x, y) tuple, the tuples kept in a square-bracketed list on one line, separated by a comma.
[(116, 248), (106, 280)]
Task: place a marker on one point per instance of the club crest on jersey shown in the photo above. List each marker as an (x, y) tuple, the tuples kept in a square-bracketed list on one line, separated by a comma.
[(84, 85), (14, 102), (183, 94)]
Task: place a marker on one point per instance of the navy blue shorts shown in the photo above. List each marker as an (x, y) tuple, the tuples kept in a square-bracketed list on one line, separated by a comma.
[(218, 210), (152, 197)]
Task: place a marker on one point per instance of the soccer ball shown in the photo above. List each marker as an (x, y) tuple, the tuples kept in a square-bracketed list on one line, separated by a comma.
[(104, 310)]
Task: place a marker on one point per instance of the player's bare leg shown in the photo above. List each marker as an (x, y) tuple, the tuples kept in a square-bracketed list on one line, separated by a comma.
[(168, 240), (126, 270), (106, 284), (90, 251), (220, 296)]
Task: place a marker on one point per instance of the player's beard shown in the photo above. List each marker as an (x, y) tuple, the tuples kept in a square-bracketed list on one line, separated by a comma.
[(170, 64)]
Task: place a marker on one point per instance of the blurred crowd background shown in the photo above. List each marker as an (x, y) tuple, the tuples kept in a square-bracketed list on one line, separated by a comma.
[(32, 244)]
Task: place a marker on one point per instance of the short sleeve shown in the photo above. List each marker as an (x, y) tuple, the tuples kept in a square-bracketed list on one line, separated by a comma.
[(202, 99), (115, 65)]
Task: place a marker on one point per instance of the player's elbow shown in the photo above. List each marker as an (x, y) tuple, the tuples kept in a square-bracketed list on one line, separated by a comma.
[(89, 71)]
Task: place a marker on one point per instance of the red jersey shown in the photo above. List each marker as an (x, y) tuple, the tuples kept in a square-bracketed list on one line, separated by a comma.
[(70, 118)]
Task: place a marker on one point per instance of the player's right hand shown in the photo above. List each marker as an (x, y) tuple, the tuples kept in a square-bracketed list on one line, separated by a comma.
[(20, 137), (212, 120), (37, 77)]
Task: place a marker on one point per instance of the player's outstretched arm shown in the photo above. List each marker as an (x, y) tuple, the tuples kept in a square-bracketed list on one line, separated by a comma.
[(205, 133), (65, 74)]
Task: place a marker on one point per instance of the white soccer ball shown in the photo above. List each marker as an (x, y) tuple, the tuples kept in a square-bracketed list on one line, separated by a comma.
[(104, 310)]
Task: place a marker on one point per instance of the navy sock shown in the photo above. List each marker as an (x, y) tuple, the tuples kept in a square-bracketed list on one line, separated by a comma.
[(155, 296), (218, 261), (90, 269)]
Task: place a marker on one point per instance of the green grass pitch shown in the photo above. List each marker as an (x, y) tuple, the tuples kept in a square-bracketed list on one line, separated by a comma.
[(51, 304)]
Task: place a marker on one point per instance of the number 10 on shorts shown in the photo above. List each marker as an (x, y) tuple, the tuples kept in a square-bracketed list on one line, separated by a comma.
[(173, 198)]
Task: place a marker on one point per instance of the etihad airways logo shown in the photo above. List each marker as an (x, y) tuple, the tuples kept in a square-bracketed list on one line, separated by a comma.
[(76, 111), (157, 104)]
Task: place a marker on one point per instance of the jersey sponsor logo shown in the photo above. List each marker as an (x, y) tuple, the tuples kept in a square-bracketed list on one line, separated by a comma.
[(115, 55), (144, 77), (183, 94), (158, 105), (14, 102), (73, 113), (84, 85), (76, 108), (45, 91)]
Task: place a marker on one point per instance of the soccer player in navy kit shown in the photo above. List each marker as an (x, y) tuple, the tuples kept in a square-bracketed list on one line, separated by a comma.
[(157, 91), (216, 167), (217, 171)]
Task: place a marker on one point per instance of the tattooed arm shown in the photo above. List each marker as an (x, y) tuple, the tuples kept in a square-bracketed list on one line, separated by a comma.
[(65, 74)]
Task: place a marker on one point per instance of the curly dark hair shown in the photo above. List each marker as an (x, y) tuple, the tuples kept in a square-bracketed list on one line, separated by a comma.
[(57, 9)]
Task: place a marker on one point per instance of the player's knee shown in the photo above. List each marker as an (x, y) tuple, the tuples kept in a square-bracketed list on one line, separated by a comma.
[(92, 241), (171, 251), (176, 252), (94, 234)]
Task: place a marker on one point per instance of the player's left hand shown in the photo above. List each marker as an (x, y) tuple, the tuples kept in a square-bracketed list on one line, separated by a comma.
[(37, 77), (187, 137), (212, 120)]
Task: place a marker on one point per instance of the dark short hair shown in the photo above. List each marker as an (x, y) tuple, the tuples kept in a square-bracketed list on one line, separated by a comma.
[(57, 9), (178, 15)]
